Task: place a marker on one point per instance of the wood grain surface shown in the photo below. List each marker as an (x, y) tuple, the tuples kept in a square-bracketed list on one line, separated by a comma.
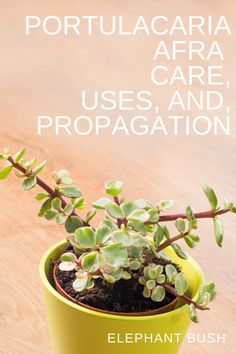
[(45, 75)]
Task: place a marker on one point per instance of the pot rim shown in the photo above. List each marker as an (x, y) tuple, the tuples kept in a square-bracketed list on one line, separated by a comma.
[(78, 307)]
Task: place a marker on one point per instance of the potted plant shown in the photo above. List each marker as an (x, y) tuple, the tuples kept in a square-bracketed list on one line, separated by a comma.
[(126, 284)]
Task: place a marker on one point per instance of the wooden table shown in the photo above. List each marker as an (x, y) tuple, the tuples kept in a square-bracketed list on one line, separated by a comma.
[(45, 75)]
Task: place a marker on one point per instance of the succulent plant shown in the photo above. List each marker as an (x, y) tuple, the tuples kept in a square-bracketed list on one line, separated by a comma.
[(130, 239)]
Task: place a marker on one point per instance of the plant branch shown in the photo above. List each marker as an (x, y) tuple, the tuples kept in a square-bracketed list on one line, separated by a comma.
[(200, 215), (185, 298), (44, 186), (170, 240)]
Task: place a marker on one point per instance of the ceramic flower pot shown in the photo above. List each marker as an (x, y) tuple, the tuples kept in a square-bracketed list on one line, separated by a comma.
[(75, 329)]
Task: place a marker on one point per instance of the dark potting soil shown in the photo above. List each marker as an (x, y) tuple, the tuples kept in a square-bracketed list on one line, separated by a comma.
[(122, 296)]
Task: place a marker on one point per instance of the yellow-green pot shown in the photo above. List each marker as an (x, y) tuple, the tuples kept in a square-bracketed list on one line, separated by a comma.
[(77, 330)]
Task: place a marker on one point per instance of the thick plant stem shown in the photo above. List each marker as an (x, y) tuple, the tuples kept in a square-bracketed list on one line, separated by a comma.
[(199, 215), (44, 186), (185, 298)]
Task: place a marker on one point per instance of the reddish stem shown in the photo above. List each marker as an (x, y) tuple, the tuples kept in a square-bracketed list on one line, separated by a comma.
[(185, 298), (170, 240), (200, 215)]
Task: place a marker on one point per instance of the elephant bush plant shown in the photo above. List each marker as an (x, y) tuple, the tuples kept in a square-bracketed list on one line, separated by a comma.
[(130, 239)]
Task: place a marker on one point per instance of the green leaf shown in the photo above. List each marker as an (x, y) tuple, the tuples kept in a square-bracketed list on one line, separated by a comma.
[(233, 209), (79, 204), (146, 292), (50, 214), (67, 180), (155, 272), (128, 208), (90, 283), (112, 226), (90, 262), (149, 228), (85, 237), (142, 281), (158, 293), (68, 209), (218, 228), (166, 232), (207, 288), (178, 250), (33, 162), (103, 234), (6, 150), (58, 175), (115, 255), (116, 273), (165, 204), (80, 284), (109, 278), (60, 218), (138, 226), (25, 163), (193, 313), (56, 204), (19, 155), (114, 211), (39, 168), (70, 192), (91, 213), (139, 215), (144, 204), (171, 273), (68, 257), (73, 223), (101, 203), (230, 205), (180, 224), (46, 205), (181, 284), (67, 266), (165, 257), (113, 187), (123, 237), (150, 284), (2, 157), (126, 275), (18, 174), (135, 264), (41, 196), (158, 236), (153, 215), (210, 194), (29, 182), (191, 217), (161, 278), (189, 241), (227, 203), (135, 252), (4, 173), (140, 241), (195, 238)]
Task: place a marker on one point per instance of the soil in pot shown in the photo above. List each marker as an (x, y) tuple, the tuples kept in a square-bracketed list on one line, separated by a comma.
[(124, 296)]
